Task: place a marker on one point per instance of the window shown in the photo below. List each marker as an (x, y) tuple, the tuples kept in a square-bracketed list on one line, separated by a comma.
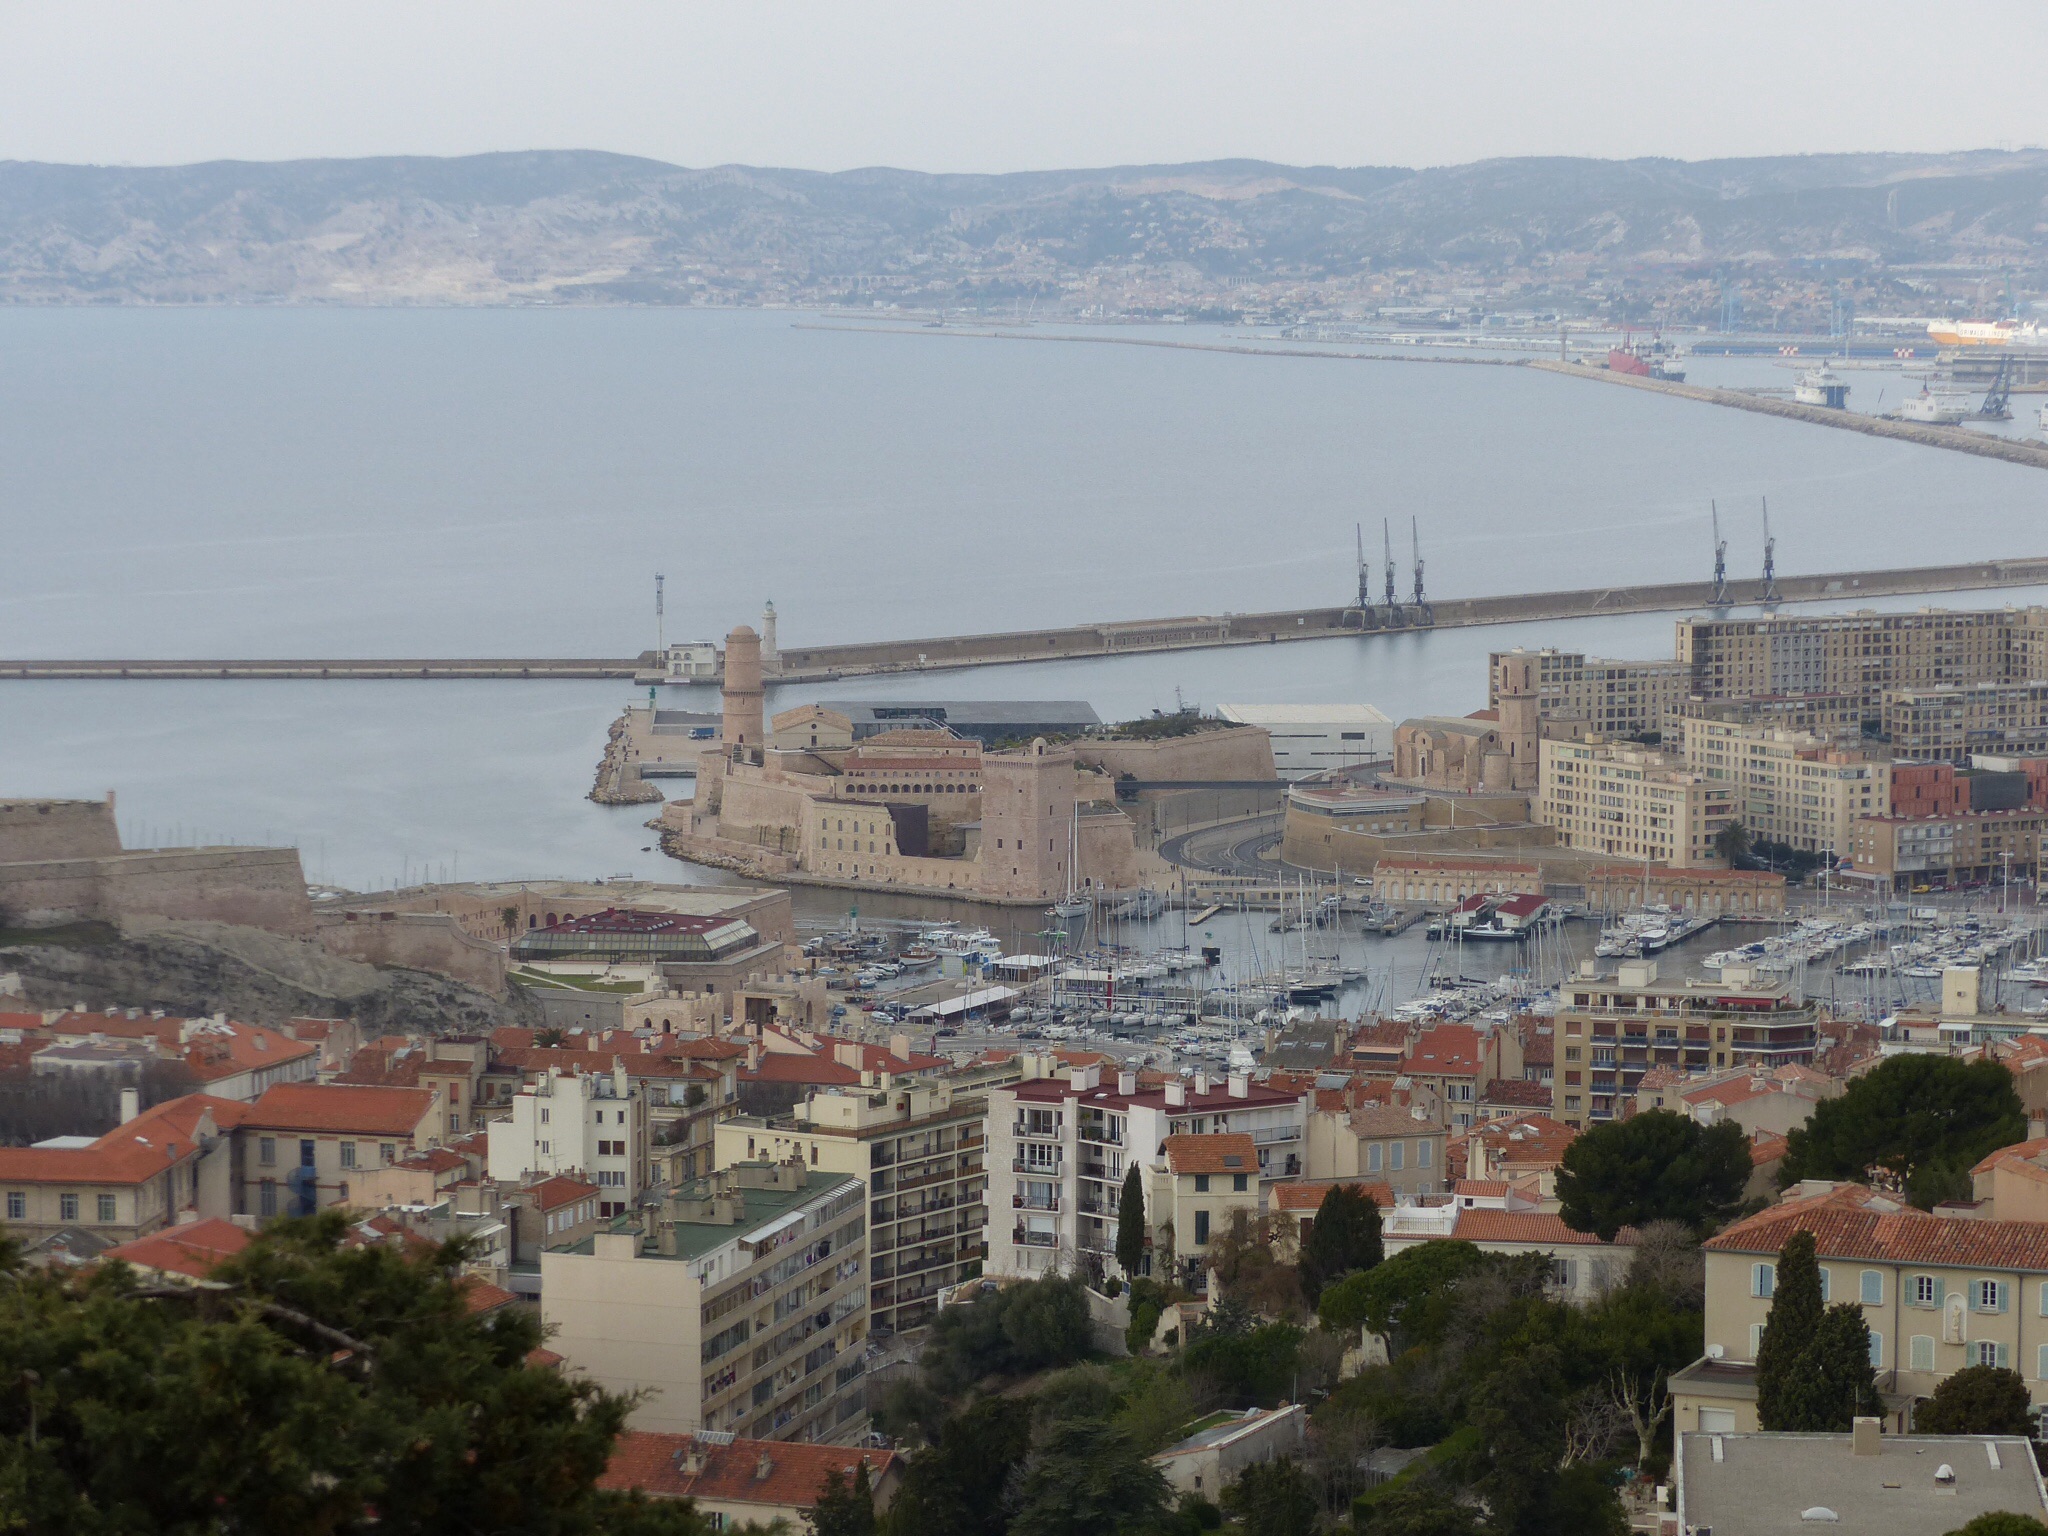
[(543, 1115), (1763, 1280), (1756, 1339), (348, 1154), (266, 1198), (67, 1207), (1201, 1183), (1877, 1351), (1717, 1421), (455, 1122), (1927, 1293), (1826, 1289), (1201, 1228), (1424, 1153), (1920, 1352), (1989, 1295), (306, 1154), (17, 1205), (1397, 1154), (1239, 1183), (266, 1151), (388, 1152), (1372, 1158), (1984, 1352), (1870, 1288), (106, 1208)]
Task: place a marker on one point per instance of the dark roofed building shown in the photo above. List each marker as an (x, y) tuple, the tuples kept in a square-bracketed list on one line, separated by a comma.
[(987, 721)]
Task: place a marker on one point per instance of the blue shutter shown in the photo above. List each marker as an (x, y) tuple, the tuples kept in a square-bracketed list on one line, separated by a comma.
[(1877, 1351), (2041, 1362), (2004, 1299)]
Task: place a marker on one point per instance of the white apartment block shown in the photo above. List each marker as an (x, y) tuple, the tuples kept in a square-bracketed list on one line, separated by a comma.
[(1058, 1150), (1620, 799), (592, 1125), (1790, 787)]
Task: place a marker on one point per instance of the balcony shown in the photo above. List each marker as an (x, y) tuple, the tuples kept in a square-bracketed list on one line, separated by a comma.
[(1268, 1134), (1028, 1203), (1099, 1171), (1043, 1170), (1024, 1239), (1102, 1135)]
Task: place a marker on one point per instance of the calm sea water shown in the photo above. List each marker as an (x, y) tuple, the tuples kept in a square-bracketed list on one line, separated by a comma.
[(291, 482)]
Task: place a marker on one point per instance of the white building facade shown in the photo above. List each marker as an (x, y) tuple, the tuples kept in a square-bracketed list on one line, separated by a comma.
[(1059, 1148), (1313, 738), (590, 1125)]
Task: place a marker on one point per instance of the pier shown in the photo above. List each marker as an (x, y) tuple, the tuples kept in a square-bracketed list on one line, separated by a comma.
[(1193, 632)]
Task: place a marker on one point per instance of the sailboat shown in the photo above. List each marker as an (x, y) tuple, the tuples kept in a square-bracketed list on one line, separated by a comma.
[(1073, 904)]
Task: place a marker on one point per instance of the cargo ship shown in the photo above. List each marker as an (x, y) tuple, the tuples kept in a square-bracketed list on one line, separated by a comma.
[(1987, 333), (1651, 359)]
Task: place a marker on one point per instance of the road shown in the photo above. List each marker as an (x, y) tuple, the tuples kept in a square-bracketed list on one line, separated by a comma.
[(1234, 848)]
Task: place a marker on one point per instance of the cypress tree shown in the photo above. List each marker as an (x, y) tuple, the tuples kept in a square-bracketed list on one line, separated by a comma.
[(1833, 1381), (1344, 1240), (1130, 1224), (1789, 1331)]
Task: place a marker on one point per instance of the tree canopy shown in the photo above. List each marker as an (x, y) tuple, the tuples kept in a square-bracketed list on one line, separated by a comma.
[(1977, 1400), (1130, 1223), (317, 1388), (1924, 1120), (1656, 1166), (1406, 1296), (1272, 1498), (1344, 1239), (1788, 1329), (1020, 1328)]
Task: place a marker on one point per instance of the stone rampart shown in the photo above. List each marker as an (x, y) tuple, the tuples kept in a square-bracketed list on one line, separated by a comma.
[(57, 829), (252, 887), (1234, 754), (416, 941)]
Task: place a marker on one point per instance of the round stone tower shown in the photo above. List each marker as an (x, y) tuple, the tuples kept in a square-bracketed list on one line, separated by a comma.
[(743, 709)]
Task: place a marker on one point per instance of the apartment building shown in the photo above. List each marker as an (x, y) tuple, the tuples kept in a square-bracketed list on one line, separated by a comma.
[(1860, 653), (1790, 787), (1627, 801), (1615, 698), (1937, 1293), (919, 1148), (1059, 1148), (1202, 1185), (1400, 1146), (737, 1305), (168, 1164), (589, 1124), (1832, 716), (1950, 722), (1611, 1029), (1921, 853)]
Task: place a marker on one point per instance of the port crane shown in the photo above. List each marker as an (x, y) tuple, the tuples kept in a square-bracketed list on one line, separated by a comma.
[(1422, 613), (1719, 599), (1387, 538), (1364, 574), (1997, 404), (1770, 596)]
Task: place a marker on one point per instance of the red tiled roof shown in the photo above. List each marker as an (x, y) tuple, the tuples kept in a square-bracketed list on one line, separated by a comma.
[(1053, 1090), (2020, 1156), (1451, 1049), (1851, 1223), (1228, 1152), (1483, 1226), (128, 1154), (1765, 1150), (481, 1296), (1494, 1188), (1305, 1196), (1515, 1090), (194, 1249), (552, 1194), (333, 1107), (652, 1463), (787, 1067)]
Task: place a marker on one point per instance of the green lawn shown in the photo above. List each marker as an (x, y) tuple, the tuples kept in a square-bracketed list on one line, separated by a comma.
[(576, 983)]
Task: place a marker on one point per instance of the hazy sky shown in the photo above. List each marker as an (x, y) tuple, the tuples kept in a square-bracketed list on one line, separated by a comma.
[(970, 85)]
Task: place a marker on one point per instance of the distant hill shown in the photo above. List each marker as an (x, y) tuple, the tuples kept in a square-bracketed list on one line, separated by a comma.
[(585, 226)]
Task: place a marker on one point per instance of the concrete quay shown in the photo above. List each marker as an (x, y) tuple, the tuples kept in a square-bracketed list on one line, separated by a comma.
[(1959, 439), (1192, 632)]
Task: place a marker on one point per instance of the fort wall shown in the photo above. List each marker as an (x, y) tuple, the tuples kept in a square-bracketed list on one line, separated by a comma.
[(1237, 754), (417, 941), (57, 829), (254, 887)]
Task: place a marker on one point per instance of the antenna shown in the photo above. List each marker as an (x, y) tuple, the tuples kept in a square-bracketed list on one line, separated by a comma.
[(1364, 571), (1770, 558), (660, 626), (1415, 542), (1387, 535), (1719, 599)]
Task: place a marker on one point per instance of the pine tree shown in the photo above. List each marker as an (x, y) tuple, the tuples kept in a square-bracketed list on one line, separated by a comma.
[(1130, 1224), (844, 1508), (1789, 1331), (1344, 1240)]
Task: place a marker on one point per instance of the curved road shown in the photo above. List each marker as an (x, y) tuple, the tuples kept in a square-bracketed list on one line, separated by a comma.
[(1234, 848)]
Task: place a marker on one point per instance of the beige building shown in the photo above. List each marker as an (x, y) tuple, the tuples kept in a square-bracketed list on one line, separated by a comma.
[(1202, 1184), (1860, 653), (1567, 874), (1615, 698), (1612, 1029), (302, 1144), (1789, 787), (1402, 1148), (737, 1305), (811, 728), (1937, 1293), (919, 1148), (1951, 722), (169, 1164), (1626, 801), (1211, 1459), (1918, 853)]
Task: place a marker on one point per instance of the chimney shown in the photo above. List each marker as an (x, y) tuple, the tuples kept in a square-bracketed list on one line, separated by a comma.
[(1240, 1086), (1201, 1084), (131, 1104), (1176, 1094), (763, 1467), (1865, 1438), (899, 1047), (1127, 1083)]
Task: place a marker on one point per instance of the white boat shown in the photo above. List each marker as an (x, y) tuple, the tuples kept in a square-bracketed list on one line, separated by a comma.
[(1822, 386), (1932, 410)]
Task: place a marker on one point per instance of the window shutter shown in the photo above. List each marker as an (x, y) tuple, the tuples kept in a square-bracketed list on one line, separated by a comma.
[(1826, 1288), (2004, 1357), (1756, 1339), (1877, 1351), (1922, 1355), (2041, 1362), (1873, 1288), (2004, 1301)]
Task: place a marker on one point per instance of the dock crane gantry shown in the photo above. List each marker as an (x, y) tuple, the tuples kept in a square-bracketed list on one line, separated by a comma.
[(1719, 597), (1770, 598)]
